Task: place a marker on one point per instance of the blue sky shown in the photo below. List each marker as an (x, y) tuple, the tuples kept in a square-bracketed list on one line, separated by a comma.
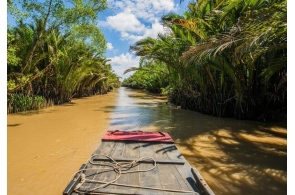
[(127, 21)]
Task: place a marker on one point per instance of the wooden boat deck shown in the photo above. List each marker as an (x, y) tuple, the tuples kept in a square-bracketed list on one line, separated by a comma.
[(172, 174)]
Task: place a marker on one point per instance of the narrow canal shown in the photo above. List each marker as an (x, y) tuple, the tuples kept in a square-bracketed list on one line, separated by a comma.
[(235, 157)]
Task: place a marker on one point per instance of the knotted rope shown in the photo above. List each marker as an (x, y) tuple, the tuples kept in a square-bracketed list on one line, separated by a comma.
[(119, 168)]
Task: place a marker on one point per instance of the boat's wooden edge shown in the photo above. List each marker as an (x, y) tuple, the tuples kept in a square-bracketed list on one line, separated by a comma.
[(71, 186), (158, 161), (138, 192), (201, 183)]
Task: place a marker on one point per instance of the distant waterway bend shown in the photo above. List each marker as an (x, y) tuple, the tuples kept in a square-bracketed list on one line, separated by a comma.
[(46, 147)]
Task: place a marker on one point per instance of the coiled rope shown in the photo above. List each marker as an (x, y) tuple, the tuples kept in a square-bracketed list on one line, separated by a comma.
[(119, 168)]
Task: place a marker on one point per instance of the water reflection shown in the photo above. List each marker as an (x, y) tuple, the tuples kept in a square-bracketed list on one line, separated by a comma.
[(135, 110), (235, 157)]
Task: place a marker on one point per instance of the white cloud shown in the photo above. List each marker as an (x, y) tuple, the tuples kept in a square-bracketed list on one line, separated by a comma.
[(125, 22), (109, 46), (143, 9), (163, 5), (123, 62), (154, 31), (130, 37), (137, 19)]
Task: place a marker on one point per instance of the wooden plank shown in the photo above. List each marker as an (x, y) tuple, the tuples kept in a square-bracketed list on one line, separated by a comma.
[(141, 192), (105, 148), (116, 191), (165, 171), (150, 178), (110, 175), (183, 171), (131, 150), (117, 153), (159, 161), (118, 150), (170, 150)]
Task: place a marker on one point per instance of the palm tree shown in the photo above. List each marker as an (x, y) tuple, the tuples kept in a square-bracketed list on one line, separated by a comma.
[(254, 42), (226, 58)]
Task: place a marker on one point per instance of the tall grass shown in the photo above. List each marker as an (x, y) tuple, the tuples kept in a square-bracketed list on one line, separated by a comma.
[(20, 103)]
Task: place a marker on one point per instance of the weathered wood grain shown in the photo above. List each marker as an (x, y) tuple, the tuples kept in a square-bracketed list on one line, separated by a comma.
[(71, 186), (184, 171), (149, 178), (172, 171), (131, 151), (106, 148)]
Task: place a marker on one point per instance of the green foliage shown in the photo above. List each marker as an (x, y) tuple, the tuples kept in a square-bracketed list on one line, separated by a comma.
[(151, 75), (57, 51), (12, 58), (224, 58)]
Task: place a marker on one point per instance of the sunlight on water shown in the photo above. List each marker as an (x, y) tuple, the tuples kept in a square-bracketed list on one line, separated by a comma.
[(265, 139)]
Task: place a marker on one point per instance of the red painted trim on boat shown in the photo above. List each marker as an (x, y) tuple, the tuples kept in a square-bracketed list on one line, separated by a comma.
[(137, 136)]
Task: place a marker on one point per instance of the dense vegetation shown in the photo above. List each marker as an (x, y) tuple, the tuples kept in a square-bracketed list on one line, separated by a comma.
[(152, 75), (221, 57), (55, 52)]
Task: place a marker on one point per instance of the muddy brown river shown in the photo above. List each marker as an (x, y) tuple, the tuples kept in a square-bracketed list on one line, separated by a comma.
[(235, 157)]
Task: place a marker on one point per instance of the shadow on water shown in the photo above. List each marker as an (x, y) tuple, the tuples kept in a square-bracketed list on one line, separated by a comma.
[(68, 104), (13, 125), (43, 110), (234, 156), (147, 96), (33, 112)]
